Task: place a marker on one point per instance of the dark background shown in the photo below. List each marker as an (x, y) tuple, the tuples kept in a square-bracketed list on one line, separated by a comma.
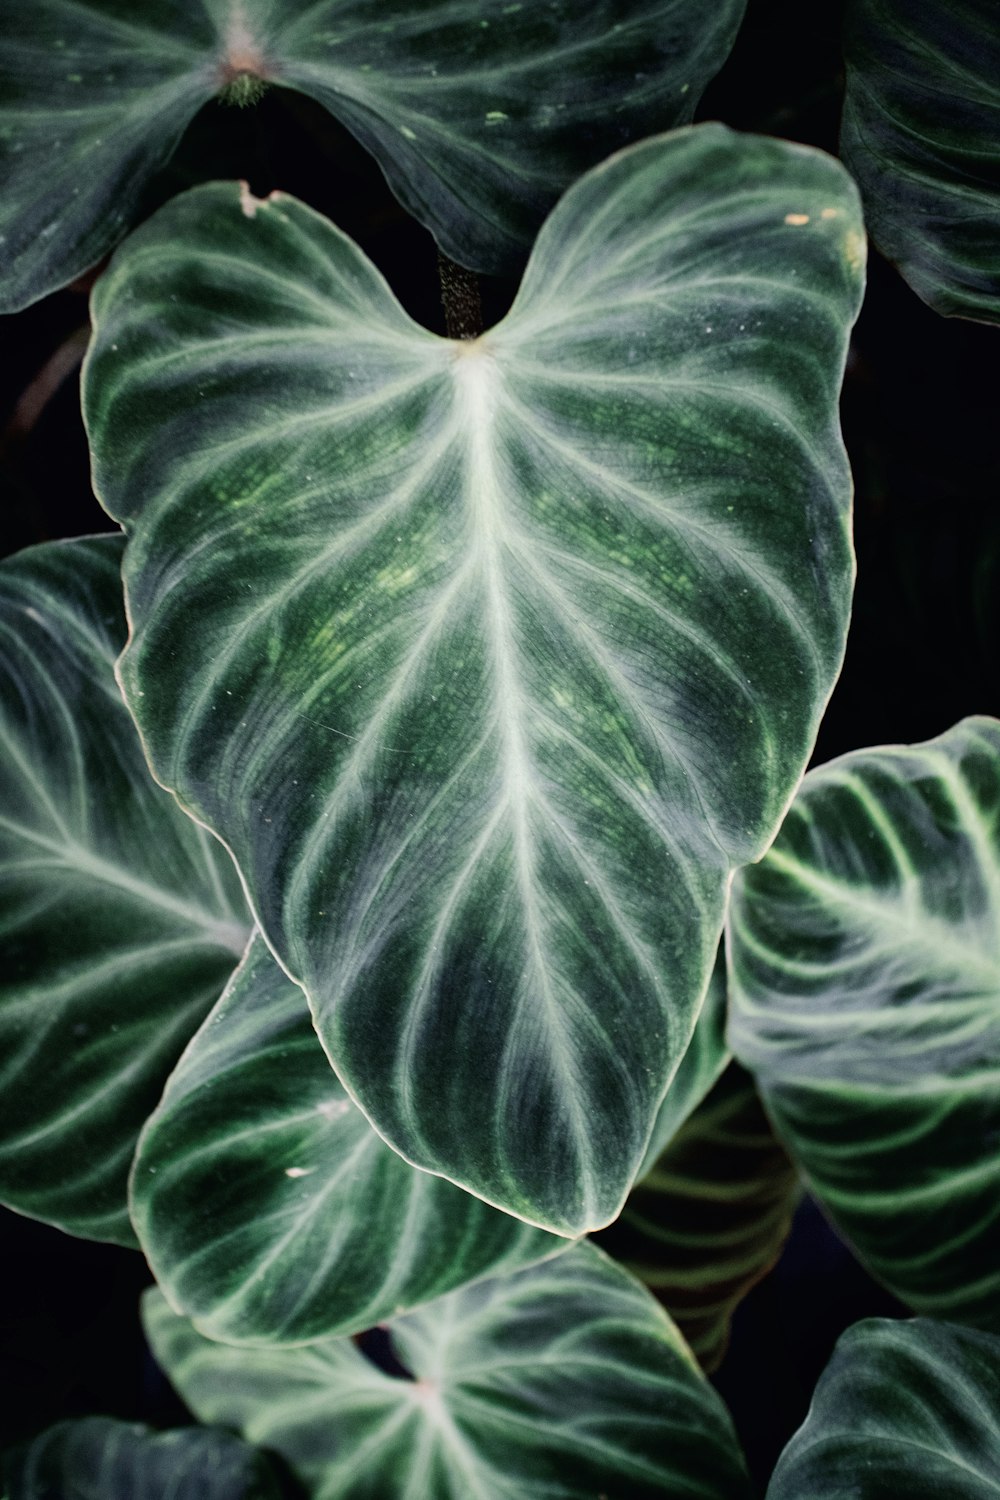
[(920, 415)]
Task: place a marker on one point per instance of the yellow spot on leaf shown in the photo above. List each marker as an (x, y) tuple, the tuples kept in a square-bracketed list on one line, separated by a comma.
[(248, 203), (830, 213), (855, 250), (796, 218)]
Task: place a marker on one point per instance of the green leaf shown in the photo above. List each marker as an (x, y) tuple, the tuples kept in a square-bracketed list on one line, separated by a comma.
[(865, 997), (121, 919), (709, 1220), (921, 134), (99, 1458), (565, 1380), (479, 112), (698, 1070), (903, 1409), (270, 1211), (492, 659)]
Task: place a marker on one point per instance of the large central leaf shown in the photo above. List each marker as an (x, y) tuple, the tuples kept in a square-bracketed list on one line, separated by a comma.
[(490, 660)]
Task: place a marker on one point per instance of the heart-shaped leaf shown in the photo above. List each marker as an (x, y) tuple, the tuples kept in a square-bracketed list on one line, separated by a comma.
[(121, 919), (902, 1410), (865, 997), (479, 112), (921, 134), (98, 1458), (268, 1208), (709, 1219), (563, 1381), (492, 659)]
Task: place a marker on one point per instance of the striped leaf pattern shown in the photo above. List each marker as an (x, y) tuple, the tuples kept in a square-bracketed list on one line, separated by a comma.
[(121, 920), (903, 1409), (479, 112), (268, 1208), (711, 1216), (492, 658), (866, 999), (921, 134), (99, 1458), (562, 1382)]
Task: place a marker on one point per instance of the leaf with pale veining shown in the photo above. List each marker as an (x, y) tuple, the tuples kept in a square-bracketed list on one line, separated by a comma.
[(865, 997), (492, 659), (562, 1382), (99, 1458), (710, 1217), (479, 112), (903, 1411), (921, 134), (268, 1208), (121, 919)]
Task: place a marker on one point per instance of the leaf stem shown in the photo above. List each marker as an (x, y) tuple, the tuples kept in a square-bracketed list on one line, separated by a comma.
[(463, 308)]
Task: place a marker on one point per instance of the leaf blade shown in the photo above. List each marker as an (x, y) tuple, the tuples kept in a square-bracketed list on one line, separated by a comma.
[(920, 128), (899, 1410), (577, 756), (479, 113), (96, 1458), (112, 897), (270, 1211), (545, 1382), (864, 999)]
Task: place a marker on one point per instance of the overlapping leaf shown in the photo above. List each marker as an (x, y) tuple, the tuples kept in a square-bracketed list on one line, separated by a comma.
[(269, 1209), (921, 134), (710, 1217), (493, 658), (903, 1409), (565, 1380), (698, 1070), (98, 1458), (121, 919), (866, 999), (479, 112)]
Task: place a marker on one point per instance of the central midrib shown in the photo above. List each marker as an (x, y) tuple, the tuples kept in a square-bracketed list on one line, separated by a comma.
[(478, 387)]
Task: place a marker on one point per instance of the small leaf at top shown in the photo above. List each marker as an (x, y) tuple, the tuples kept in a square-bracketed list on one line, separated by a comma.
[(562, 1382), (479, 112), (122, 919), (921, 134), (903, 1411), (865, 998), (492, 659), (268, 1208)]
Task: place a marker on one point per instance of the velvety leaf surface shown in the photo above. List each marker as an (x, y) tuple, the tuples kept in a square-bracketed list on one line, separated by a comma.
[(121, 920), (711, 1216), (479, 112), (268, 1208), (921, 134), (492, 658), (902, 1410), (99, 1458), (565, 1380), (865, 997)]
